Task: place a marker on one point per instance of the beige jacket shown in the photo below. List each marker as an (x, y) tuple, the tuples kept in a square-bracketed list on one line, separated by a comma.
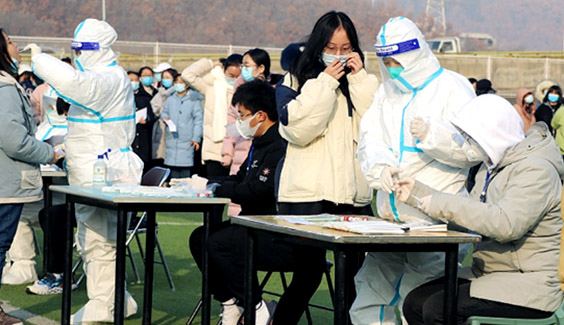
[(517, 260), (211, 83), (321, 162)]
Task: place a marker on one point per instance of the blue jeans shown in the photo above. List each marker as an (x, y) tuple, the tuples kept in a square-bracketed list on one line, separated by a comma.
[(9, 217)]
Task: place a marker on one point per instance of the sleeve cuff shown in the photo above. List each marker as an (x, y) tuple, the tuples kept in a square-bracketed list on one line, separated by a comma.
[(419, 190), (357, 77), (324, 77)]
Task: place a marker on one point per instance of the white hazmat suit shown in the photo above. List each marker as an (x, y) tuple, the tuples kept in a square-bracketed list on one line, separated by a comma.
[(101, 118), (427, 91)]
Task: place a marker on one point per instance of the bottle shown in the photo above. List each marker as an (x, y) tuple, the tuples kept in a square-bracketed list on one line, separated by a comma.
[(99, 174)]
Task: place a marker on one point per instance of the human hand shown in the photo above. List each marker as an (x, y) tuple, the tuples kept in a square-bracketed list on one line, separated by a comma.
[(418, 128), (354, 62), (56, 157), (142, 121), (335, 69), (196, 145), (387, 178), (34, 48)]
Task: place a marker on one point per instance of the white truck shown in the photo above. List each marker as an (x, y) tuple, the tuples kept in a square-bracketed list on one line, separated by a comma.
[(466, 42)]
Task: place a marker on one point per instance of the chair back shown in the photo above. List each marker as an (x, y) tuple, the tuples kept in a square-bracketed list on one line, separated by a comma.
[(156, 176)]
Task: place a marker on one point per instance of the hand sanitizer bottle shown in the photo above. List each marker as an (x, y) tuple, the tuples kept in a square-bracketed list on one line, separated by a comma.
[(99, 173)]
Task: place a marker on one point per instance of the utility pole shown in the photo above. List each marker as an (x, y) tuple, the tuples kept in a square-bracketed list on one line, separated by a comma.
[(436, 10), (104, 10)]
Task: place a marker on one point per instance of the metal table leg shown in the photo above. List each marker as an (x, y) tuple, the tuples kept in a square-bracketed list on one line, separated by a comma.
[(451, 284), (120, 267), (149, 267), (250, 270), (67, 280)]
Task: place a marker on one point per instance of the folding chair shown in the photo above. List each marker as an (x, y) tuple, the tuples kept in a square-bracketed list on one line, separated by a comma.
[(156, 176)]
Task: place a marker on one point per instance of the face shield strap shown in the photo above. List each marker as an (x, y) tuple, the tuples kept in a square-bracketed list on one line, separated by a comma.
[(85, 46), (398, 48)]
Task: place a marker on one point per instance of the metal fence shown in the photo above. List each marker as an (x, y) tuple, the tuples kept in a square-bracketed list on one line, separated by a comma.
[(506, 73)]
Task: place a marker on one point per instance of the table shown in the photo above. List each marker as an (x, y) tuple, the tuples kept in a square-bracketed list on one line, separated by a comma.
[(344, 246), (124, 203), (48, 177)]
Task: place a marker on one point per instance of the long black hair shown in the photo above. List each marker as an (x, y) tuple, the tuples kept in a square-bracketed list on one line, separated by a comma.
[(559, 91), (6, 63), (260, 57), (308, 65)]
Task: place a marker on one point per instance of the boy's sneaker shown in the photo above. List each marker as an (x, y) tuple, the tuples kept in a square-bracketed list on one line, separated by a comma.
[(6, 319), (230, 313), (49, 285), (265, 311)]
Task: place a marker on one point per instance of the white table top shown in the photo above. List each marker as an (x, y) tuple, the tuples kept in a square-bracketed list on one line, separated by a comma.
[(53, 173), (113, 197), (278, 225)]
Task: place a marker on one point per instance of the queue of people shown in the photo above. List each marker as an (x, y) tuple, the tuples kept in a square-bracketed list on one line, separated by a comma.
[(323, 138)]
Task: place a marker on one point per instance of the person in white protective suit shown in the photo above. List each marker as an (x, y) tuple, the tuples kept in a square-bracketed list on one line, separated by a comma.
[(101, 119), (406, 132)]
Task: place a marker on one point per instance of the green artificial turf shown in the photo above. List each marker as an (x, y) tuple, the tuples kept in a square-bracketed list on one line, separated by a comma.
[(168, 307)]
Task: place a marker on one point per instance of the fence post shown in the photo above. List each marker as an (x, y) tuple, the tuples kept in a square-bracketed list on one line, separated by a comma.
[(157, 52), (489, 68), (230, 50), (546, 68)]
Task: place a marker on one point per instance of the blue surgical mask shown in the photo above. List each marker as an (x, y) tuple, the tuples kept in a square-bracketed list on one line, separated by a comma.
[(147, 81), (15, 65), (247, 74), (179, 87), (167, 83), (329, 58), (529, 99), (159, 76), (395, 71), (135, 85), (553, 98), (230, 81)]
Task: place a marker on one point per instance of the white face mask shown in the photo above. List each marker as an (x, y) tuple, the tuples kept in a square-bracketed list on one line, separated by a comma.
[(473, 150), (244, 128)]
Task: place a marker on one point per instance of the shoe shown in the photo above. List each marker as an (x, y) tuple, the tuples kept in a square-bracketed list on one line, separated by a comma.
[(265, 311), (6, 319), (49, 285), (231, 313), (20, 272)]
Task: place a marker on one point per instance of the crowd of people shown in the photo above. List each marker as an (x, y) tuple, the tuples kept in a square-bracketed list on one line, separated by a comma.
[(324, 137)]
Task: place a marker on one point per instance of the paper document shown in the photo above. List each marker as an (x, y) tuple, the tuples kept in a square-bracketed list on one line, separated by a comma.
[(140, 115), (171, 125)]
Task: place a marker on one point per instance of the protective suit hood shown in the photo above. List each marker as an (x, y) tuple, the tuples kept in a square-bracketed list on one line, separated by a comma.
[(94, 39), (493, 123), (401, 40)]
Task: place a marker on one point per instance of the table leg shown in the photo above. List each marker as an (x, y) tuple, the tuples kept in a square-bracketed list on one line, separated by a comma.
[(451, 283), (342, 293), (250, 270), (67, 280), (120, 267), (206, 297), (47, 204), (149, 267)]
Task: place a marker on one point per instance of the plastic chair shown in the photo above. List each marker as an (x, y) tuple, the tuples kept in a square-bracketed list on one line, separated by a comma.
[(556, 318), (156, 176), (285, 286)]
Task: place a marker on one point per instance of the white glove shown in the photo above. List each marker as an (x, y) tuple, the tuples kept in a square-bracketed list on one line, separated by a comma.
[(418, 128), (387, 178), (35, 49)]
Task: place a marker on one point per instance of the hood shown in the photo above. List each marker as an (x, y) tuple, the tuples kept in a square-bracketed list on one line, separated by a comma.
[(401, 40), (93, 31), (493, 123), (6, 78), (539, 143)]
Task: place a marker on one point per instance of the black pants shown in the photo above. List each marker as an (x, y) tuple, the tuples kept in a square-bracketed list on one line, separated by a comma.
[(424, 305), (214, 169), (54, 231), (310, 262), (226, 249)]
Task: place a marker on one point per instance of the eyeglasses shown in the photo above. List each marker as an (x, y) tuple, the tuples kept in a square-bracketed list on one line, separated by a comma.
[(334, 50)]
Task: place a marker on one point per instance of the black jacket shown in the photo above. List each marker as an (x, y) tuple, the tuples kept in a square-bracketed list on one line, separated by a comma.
[(142, 142), (544, 113), (253, 186)]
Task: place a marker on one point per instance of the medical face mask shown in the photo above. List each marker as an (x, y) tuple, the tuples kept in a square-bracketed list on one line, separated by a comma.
[(529, 99), (135, 85), (553, 98), (15, 65), (244, 128), (167, 83), (329, 58), (473, 150), (179, 88), (247, 74), (230, 81), (159, 76), (394, 72), (147, 81)]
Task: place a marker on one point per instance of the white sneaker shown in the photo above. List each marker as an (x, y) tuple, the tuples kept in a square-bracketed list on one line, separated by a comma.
[(264, 312), (231, 313)]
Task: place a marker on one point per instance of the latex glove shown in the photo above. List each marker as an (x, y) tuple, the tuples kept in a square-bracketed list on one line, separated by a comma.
[(60, 149), (418, 128), (35, 49), (387, 178)]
